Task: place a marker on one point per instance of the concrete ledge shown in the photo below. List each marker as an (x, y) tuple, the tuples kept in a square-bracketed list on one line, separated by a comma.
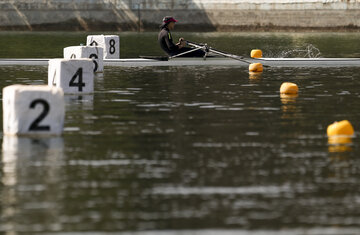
[(193, 15)]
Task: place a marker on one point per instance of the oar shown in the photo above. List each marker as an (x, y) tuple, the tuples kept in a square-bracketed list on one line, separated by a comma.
[(165, 58), (218, 52), (186, 52)]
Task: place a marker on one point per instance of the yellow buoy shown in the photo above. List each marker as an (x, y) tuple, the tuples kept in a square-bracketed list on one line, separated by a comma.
[(289, 88), (256, 53), (255, 67), (342, 128)]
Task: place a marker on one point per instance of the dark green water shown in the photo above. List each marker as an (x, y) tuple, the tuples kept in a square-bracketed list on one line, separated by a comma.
[(188, 150)]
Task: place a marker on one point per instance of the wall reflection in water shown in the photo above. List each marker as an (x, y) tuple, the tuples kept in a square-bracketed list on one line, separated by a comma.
[(31, 172)]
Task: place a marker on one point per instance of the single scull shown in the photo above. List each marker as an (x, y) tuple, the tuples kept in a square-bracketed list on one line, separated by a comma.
[(210, 61)]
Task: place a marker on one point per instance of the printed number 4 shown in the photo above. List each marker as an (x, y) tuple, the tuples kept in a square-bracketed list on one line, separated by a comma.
[(80, 84)]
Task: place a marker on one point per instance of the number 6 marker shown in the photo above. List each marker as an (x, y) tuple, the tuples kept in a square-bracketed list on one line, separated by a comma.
[(74, 76), (92, 52), (33, 110)]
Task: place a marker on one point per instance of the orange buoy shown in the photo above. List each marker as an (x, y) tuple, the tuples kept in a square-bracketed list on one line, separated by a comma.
[(342, 128), (256, 53), (255, 67), (289, 88)]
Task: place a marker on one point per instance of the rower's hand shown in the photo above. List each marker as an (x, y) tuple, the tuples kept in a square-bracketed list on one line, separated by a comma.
[(181, 43)]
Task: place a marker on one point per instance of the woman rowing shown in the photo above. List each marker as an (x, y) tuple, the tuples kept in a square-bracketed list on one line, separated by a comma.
[(166, 41)]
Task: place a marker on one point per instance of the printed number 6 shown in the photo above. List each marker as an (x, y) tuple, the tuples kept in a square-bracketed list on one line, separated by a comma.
[(94, 57)]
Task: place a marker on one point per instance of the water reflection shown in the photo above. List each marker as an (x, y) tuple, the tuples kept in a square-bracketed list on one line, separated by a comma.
[(289, 107), (76, 102), (340, 160), (99, 81), (31, 173), (340, 144), (288, 98), (99, 76), (255, 76)]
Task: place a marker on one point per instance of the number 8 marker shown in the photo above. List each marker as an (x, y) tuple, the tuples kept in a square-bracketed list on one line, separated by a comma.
[(112, 48), (110, 44)]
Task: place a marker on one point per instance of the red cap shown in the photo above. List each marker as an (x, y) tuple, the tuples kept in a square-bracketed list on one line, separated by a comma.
[(168, 19)]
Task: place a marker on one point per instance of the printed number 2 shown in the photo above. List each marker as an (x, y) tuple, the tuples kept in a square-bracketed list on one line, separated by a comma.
[(112, 49), (80, 84), (35, 124)]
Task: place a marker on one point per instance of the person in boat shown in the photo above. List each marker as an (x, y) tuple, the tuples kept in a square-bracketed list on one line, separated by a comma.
[(166, 40)]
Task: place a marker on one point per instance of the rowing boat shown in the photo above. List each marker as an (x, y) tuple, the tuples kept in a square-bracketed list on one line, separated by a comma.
[(213, 61), (219, 61)]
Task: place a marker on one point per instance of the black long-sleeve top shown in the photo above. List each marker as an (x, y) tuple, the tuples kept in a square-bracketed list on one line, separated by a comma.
[(166, 42)]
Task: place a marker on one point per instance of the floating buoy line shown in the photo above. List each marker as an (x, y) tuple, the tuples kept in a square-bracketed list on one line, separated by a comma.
[(74, 74)]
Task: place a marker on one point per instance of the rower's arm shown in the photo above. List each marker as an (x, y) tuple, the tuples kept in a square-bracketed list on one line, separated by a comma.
[(169, 43)]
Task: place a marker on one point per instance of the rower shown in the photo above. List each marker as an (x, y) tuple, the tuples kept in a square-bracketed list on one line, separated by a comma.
[(166, 41)]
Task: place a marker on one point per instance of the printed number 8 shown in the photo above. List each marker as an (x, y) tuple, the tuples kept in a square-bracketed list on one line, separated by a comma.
[(112, 49)]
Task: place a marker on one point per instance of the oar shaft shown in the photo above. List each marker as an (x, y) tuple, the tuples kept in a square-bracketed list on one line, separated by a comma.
[(200, 44), (235, 57), (184, 53)]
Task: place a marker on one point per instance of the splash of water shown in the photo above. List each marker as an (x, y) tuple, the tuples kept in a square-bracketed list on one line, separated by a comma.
[(308, 51), (305, 51)]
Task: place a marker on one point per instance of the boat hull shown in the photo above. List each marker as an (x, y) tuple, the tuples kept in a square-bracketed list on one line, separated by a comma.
[(273, 62)]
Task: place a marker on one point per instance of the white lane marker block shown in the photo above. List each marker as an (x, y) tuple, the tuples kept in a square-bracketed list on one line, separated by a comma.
[(92, 52), (74, 76), (33, 110), (110, 43)]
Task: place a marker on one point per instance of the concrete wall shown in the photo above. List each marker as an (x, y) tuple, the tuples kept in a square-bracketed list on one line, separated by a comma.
[(194, 15)]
